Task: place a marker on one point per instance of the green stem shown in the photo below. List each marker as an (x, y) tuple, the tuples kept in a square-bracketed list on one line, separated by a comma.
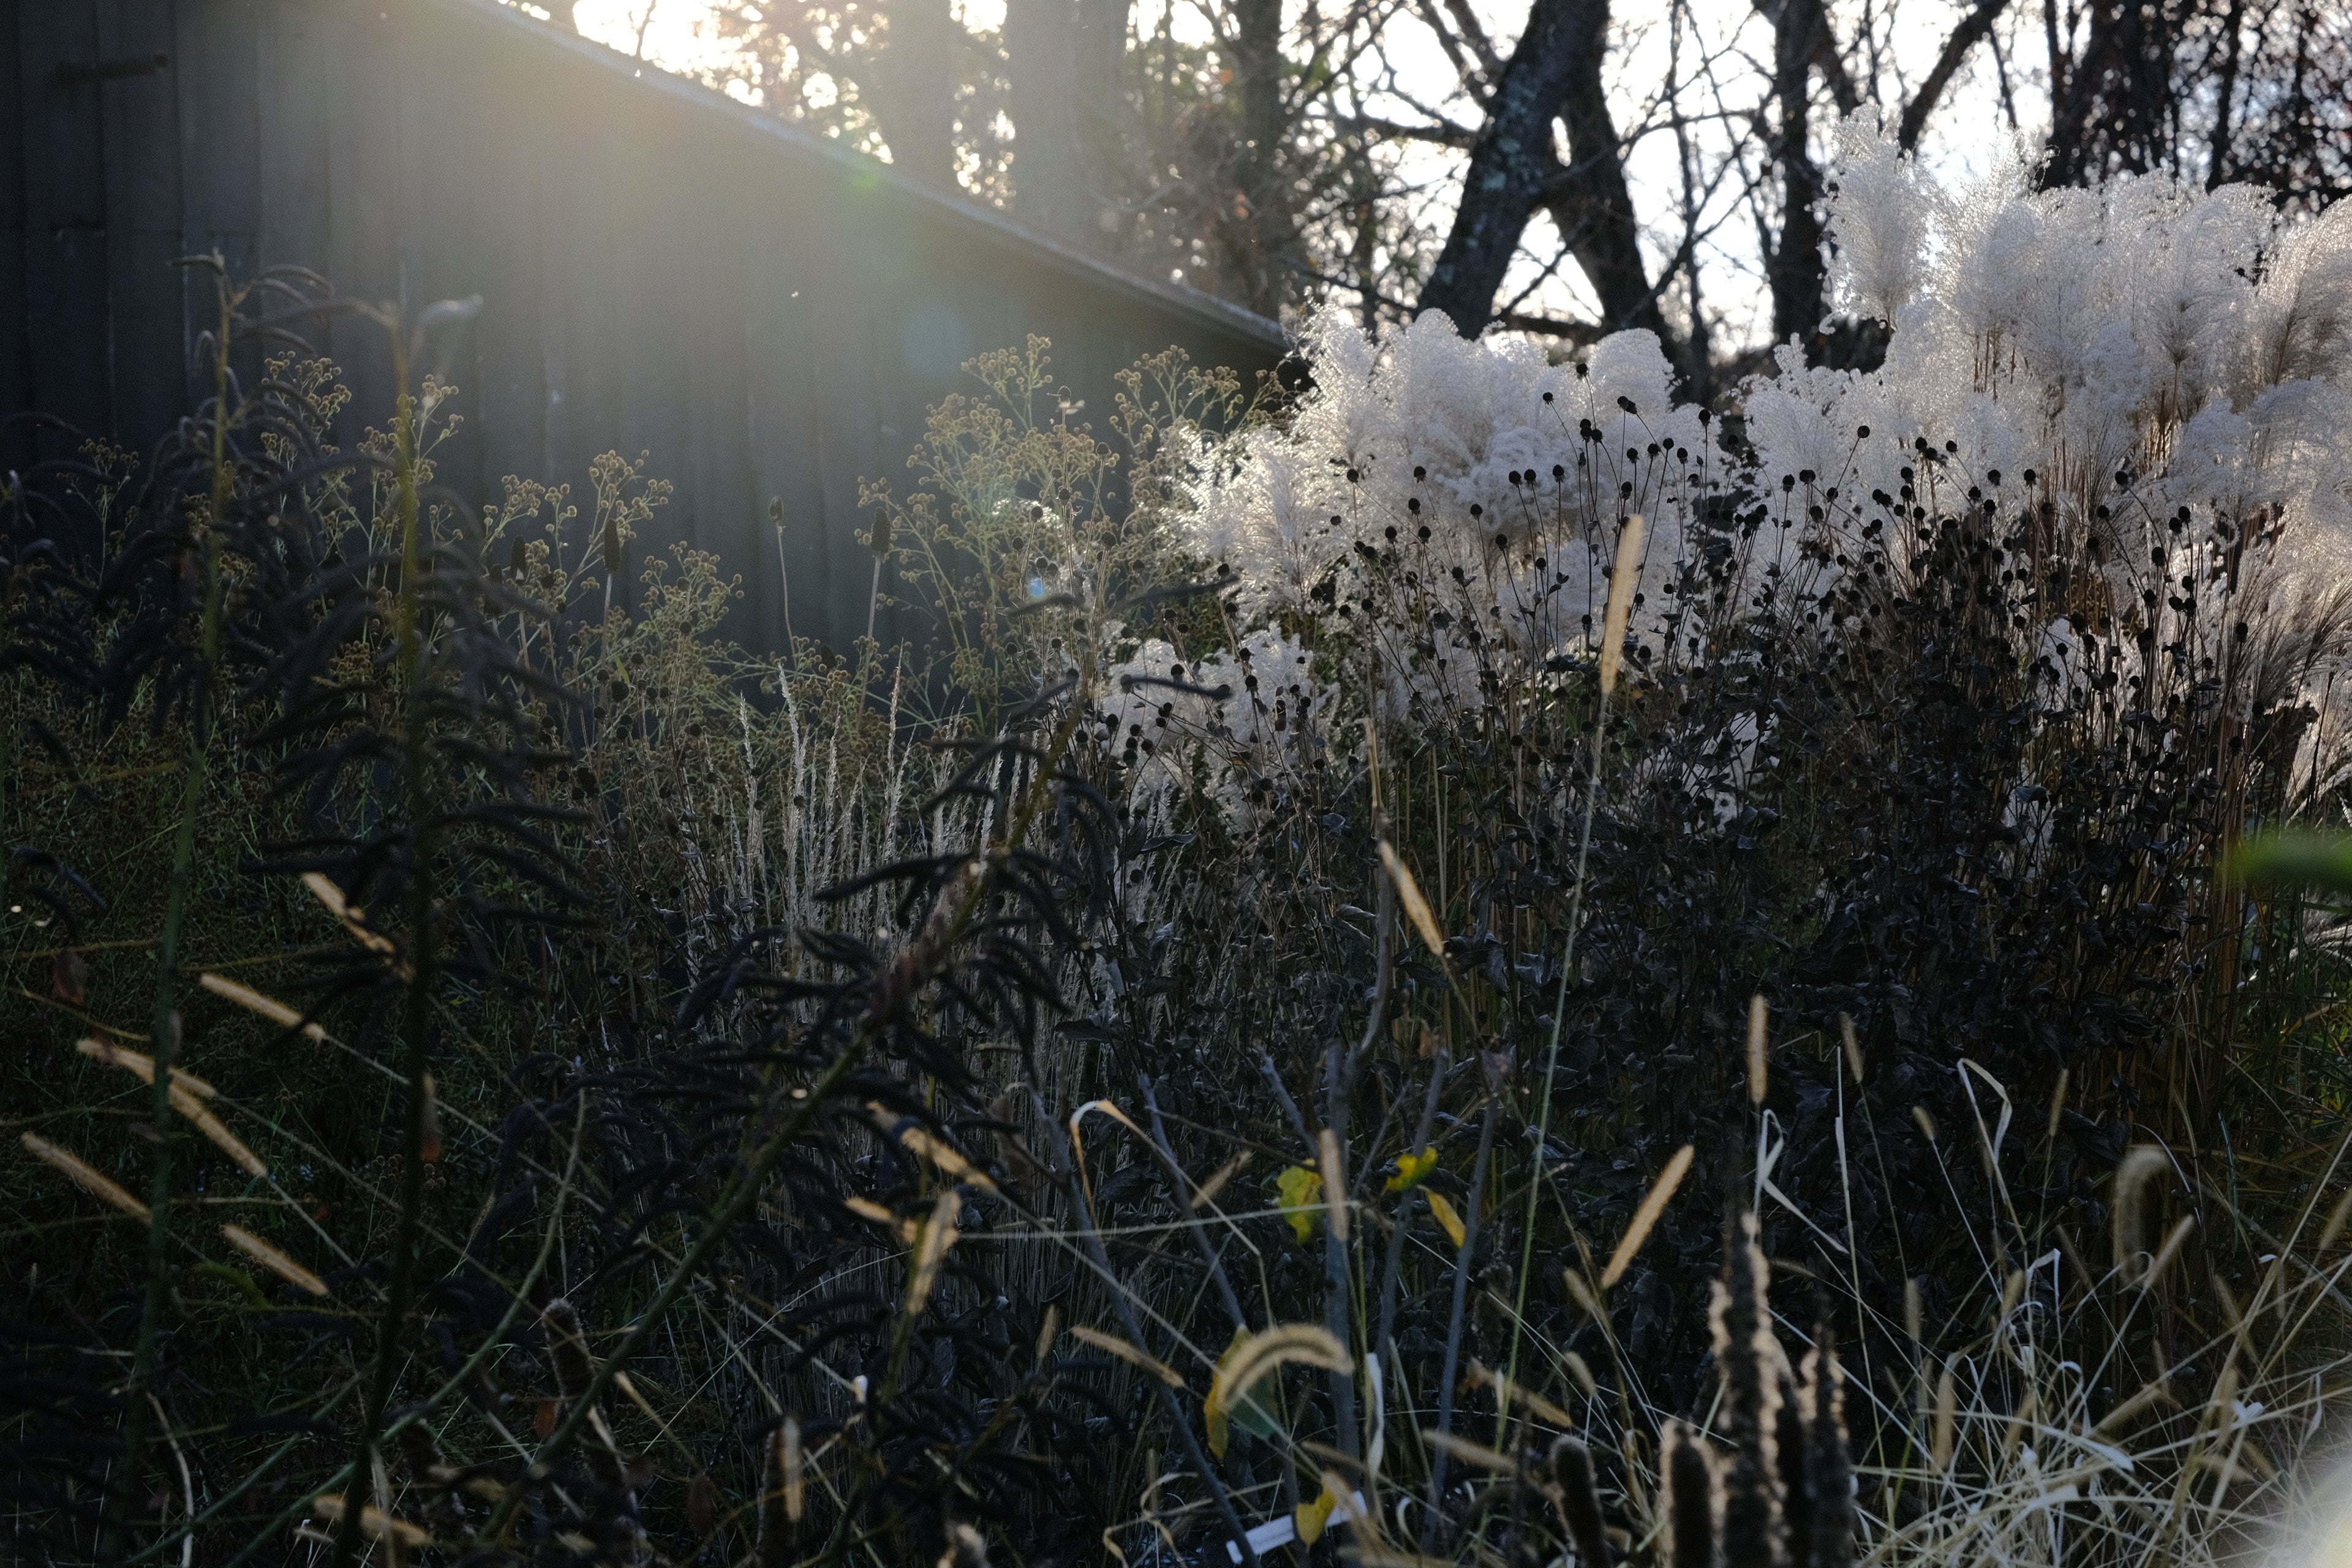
[(417, 1025), (1551, 1058), (122, 1490)]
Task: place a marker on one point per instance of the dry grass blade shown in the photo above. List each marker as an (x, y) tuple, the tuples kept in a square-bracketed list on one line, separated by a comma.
[(906, 1230), (1208, 1190), (1370, 1556), (83, 1176), (142, 1066), (2147, 1397), (2334, 1225), (1111, 1345), (1416, 908), (2168, 1251), (1584, 1298), (354, 918), (1449, 1221), (1253, 1356), (205, 1122), (1939, 1450), (906, 1130), (373, 1523), (1637, 1230), (277, 1262), (1335, 1182), (788, 1450), (1758, 1021), (2139, 1164), (1623, 575), (1508, 1392), (188, 1094), (253, 1001), (938, 1234), (1470, 1453)]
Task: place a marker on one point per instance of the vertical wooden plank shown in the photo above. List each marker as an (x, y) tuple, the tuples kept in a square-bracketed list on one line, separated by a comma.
[(15, 350), (141, 117), (657, 279), (65, 208), (579, 299), (781, 392), (298, 78), (500, 199), (440, 96), (365, 218), (730, 517), (220, 205)]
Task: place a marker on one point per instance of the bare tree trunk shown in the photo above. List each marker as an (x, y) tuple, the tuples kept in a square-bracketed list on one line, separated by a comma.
[(913, 90), (1065, 60), (1259, 238), (1796, 266), (1593, 210), (1513, 168)]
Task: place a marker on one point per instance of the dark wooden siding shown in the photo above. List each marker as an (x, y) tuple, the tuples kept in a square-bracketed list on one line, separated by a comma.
[(661, 270)]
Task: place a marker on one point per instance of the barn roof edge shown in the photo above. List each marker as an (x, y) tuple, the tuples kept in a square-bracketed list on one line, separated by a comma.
[(1208, 307)]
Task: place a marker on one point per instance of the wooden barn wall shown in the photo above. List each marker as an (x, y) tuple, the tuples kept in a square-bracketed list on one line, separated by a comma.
[(660, 272)]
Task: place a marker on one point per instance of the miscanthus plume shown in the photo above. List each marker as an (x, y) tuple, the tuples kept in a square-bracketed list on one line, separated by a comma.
[(2141, 393)]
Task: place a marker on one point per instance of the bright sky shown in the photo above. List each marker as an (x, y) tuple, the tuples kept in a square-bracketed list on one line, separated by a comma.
[(1966, 135)]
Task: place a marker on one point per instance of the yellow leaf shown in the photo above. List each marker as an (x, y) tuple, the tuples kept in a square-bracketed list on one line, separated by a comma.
[(1311, 1517), (1301, 1187), (1446, 1216), (1411, 1170)]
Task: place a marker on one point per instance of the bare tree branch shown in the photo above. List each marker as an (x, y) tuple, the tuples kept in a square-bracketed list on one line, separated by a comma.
[(1972, 30), (1445, 133)]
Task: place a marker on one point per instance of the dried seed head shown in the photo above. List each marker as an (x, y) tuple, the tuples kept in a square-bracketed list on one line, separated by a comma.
[(1622, 576), (1829, 1462), (83, 1176), (274, 1260), (1758, 1021), (2139, 1165), (1754, 1531), (567, 1349), (1579, 1502), (1694, 1498), (1852, 1046), (965, 1549), (1940, 1443), (1638, 1229)]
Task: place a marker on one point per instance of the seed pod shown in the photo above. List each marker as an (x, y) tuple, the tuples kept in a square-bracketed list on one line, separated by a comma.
[(1691, 1499), (1754, 1530), (1579, 1502), (1829, 1462)]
